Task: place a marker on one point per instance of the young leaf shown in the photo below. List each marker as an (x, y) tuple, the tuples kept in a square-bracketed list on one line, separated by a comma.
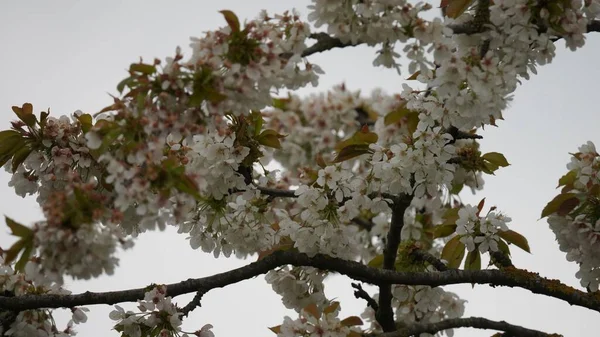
[(351, 321), (350, 152), (17, 229), (442, 231), (232, 20), (376, 262), (473, 260), (556, 204), (86, 122), (503, 247), (19, 157), (276, 329), (146, 69), (453, 252), (496, 158), (360, 137), (312, 310), (331, 308), (396, 115), (20, 265), (567, 179), (515, 238), (480, 206), (454, 8), (450, 216), (270, 138), (25, 113)]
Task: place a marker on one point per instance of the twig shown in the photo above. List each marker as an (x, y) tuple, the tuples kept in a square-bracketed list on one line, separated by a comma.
[(416, 329), (360, 293), (194, 303)]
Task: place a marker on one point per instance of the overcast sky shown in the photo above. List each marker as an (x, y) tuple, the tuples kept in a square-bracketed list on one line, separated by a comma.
[(68, 55)]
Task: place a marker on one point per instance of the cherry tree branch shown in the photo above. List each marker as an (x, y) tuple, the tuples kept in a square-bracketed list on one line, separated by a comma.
[(432, 260), (326, 42), (509, 277), (470, 322), (385, 313)]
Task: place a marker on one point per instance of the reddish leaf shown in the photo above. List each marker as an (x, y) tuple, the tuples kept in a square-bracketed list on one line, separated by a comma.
[(312, 310), (350, 152), (555, 205), (331, 308), (480, 206), (351, 321)]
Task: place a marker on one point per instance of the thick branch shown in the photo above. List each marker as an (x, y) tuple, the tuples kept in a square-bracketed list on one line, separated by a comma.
[(385, 314), (471, 322), (509, 277)]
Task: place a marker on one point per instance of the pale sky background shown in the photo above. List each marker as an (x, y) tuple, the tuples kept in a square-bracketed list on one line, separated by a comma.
[(68, 55)]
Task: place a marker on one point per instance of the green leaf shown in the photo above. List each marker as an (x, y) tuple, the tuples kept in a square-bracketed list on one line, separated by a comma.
[(19, 157), (20, 265), (453, 252), (257, 118), (556, 204), (10, 142), (515, 238), (376, 262), (280, 103), (443, 231), (25, 113), (503, 247), (567, 179), (396, 115), (270, 138), (276, 329), (146, 69), (11, 254), (456, 188), (232, 20), (473, 260), (18, 229), (450, 216), (86, 122), (351, 321), (360, 137), (351, 151), (496, 158)]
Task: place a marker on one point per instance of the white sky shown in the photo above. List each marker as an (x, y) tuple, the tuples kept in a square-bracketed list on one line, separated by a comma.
[(68, 55)]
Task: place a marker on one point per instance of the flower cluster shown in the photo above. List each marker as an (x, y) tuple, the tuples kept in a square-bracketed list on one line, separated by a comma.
[(298, 286), (421, 304), (157, 313), (319, 322), (575, 217), (38, 322), (480, 232)]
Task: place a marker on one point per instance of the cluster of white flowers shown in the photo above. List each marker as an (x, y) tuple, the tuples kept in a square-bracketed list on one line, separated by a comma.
[(298, 286), (578, 232), (156, 312), (480, 232), (38, 322), (421, 304), (83, 253), (419, 169), (319, 322), (252, 61)]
